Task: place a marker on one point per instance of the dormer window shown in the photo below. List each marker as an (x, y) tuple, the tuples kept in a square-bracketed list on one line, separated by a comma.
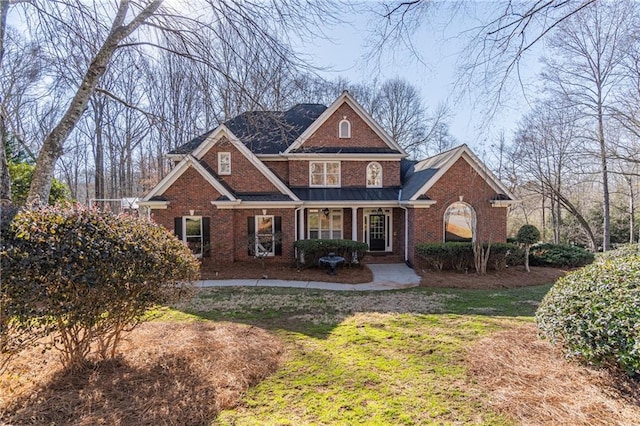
[(374, 175), (344, 128), (224, 163)]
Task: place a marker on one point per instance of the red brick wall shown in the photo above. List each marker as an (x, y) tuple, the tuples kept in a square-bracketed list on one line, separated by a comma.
[(352, 173), (244, 177), (361, 134), (427, 225), (280, 169)]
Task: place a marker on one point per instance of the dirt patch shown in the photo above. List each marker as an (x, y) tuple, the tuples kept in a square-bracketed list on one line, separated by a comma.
[(508, 278), (276, 271), (169, 373), (531, 381)]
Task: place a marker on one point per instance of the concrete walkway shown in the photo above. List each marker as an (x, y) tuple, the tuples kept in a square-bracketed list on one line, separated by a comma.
[(392, 276)]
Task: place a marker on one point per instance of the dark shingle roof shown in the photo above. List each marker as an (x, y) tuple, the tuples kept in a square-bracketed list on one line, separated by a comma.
[(265, 132), (347, 194)]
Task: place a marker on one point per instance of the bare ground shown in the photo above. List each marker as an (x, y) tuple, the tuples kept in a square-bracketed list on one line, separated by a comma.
[(531, 381), (170, 373)]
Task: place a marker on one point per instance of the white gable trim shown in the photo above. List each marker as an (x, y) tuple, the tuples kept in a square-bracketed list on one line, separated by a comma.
[(345, 97), (464, 152), (178, 170), (221, 131)]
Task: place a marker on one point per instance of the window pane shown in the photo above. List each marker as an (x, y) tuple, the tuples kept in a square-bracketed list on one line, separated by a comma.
[(325, 234), (313, 235), (332, 180), (317, 179), (374, 175), (192, 226), (459, 223), (333, 168), (336, 222), (317, 167), (265, 224)]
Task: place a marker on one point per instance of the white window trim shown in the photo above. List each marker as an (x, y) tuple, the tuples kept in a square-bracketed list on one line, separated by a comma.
[(367, 175), (220, 164), (184, 233), (258, 247), (324, 177), (331, 229), (473, 224), (348, 135)]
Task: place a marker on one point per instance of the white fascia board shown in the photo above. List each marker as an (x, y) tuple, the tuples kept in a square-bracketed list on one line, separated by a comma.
[(239, 204), (345, 97), (350, 157), (504, 203), (350, 203), (428, 184), (168, 180), (154, 205), (222, 130)]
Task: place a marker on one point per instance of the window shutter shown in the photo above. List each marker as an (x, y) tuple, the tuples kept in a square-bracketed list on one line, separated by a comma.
[(251, 233), (177, 227), (277, 229), (206, 237)]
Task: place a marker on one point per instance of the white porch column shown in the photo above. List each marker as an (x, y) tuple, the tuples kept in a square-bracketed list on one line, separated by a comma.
[(354, 223), (301, 235)]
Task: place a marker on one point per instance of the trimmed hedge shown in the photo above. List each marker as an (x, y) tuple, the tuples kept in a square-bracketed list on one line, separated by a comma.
[(559, 255), (459, 256), (310, 251), (593, 313)]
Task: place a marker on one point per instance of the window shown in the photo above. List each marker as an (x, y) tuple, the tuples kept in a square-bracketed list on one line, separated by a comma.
[(324, 173), (374, 175), (325, 224), (459, 223), (344, 129), (224, 163), (264, 235), (194, 231)]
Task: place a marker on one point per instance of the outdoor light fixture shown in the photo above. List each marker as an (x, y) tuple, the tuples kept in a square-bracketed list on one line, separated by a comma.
[(325, 211), (380, 210)]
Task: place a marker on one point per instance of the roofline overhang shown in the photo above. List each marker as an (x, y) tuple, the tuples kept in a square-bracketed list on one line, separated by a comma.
[(239, 204), (503, 203), (156, 205), (417, 204), (342, 156)]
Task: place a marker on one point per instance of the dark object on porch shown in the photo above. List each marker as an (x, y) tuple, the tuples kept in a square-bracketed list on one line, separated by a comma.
[(332, 261)]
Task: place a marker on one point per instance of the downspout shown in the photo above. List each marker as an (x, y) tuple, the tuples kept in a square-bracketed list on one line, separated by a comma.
[(406, 230), (295, 225)]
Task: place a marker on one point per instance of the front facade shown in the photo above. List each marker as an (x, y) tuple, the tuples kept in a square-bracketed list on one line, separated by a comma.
[(261, 181)]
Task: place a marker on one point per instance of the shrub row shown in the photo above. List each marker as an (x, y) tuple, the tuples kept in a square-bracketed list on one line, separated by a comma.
[(459, 256), (593, 312), (559, 255), (310, 251)]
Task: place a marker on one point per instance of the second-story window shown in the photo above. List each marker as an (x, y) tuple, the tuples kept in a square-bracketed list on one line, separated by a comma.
[(224, 163), (344, 129), (324, 173), (374, 175)]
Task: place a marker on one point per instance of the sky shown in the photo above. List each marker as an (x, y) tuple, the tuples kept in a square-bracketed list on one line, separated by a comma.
[(439, 42)]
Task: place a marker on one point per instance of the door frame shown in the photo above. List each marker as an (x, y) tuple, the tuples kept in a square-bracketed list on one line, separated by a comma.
[(388, 214)]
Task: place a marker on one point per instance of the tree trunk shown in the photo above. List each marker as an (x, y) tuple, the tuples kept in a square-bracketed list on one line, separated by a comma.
[(5, 177), (527, 248), (632, 209), (98, 107), (606, 232), (53, 145)]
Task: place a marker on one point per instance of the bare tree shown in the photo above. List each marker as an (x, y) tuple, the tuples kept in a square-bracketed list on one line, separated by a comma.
[(5, 178)]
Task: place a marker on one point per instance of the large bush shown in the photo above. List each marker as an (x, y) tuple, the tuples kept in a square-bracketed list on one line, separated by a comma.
[(559, 255), (89, 275), (310, 251), (459, 256), (594, 313)]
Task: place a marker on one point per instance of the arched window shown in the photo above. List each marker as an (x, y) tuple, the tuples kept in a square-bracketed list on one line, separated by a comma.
[(344, 128), (374, 175), (459, 223)]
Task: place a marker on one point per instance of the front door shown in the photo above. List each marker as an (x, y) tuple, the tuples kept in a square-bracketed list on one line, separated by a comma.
[(377, 232)]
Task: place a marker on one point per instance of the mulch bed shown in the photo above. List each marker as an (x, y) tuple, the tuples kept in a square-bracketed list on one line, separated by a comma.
[(512, 277)]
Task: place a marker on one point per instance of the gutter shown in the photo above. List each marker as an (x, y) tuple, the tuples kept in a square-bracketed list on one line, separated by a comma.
[(406, 228)]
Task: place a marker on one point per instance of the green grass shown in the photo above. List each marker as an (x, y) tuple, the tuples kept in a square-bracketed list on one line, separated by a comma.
[(368, 358)]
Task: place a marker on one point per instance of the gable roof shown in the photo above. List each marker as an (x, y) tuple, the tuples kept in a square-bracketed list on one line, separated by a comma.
[(422, 175), (345, 97), (264, 132)]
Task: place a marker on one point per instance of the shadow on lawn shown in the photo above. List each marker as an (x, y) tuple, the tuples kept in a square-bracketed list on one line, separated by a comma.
[(316, 313)]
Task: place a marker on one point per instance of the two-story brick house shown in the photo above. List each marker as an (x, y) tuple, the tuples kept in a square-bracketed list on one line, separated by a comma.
[(266, 179)]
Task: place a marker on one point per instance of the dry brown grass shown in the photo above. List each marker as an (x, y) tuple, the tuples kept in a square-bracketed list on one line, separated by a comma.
[(530, 380), (169, 373)]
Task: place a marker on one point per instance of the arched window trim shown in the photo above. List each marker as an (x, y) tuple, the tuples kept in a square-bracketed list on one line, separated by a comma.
[(373, 163), (347, 134), (474, 230)]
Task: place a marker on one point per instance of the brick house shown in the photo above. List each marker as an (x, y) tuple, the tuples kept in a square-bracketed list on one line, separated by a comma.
[(263, 180)]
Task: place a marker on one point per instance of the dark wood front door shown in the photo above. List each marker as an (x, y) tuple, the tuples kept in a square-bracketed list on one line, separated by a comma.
[(377, 232)]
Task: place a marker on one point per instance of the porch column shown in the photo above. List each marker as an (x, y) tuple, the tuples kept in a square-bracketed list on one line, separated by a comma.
[(301, 224), (354, 223)]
